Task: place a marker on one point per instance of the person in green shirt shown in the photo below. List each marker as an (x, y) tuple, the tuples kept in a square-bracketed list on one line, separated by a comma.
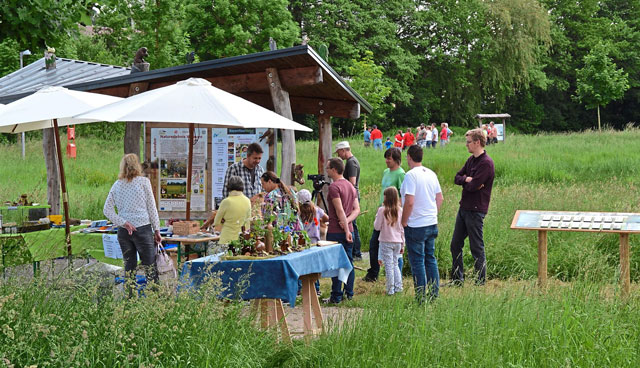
[(234, 211), (393, 176)]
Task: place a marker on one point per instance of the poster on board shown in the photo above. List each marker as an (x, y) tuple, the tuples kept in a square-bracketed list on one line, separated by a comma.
[(169, 148), (228, 147), (500, 128)]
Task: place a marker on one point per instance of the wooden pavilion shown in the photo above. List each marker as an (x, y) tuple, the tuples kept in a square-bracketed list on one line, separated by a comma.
[(288, 81)]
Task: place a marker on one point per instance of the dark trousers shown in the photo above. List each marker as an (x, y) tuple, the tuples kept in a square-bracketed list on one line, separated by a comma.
[(337, 289), (140, 242), (357, 253), (468, 224), (374, 267)]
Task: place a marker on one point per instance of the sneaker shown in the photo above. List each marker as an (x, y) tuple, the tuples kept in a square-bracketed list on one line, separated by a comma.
[(329, 301), (368, 278), (359, 258)]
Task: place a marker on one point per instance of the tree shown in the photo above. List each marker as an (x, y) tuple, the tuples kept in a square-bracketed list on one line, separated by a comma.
[(126, 25), (350, 28), (600, 81), (367, 79), (9, 56), (224, 28), (475, 54), (36, 23)]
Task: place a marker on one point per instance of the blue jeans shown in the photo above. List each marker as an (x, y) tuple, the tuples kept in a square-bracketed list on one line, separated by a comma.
[(377, 144), (336, 285), (421, 244)]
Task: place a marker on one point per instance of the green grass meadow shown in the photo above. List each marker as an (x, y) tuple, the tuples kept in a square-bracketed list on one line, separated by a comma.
[(580, 320)]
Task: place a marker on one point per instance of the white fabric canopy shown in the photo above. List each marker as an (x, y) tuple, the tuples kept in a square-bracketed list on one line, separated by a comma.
[(193, 100), (38, 110)]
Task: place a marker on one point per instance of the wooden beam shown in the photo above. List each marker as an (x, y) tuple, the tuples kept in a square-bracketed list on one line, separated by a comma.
[(282, 106), (311, 106), (255, 82), (132, 129)]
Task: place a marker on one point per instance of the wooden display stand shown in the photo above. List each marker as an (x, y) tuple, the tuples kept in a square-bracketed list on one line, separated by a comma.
[(624, 230), (271, 311)]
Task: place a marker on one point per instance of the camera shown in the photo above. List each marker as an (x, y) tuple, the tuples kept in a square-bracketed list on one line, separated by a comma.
[(318, 181)]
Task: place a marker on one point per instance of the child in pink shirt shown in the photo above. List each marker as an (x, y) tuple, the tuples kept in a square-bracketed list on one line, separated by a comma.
[(391, 238)]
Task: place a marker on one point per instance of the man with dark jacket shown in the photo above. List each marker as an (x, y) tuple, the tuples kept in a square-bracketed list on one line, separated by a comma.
[(476, 178)]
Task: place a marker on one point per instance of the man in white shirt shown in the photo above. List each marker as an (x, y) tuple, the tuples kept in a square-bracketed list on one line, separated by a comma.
[(421, 201)]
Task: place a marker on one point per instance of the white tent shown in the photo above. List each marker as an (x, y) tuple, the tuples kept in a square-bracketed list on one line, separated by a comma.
[(192, 101), (51, 107)]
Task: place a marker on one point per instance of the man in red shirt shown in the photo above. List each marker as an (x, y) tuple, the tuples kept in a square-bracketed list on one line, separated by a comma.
[(409, 138), (376, 138)]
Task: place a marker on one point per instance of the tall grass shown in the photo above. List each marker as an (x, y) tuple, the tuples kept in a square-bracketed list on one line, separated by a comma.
[(74, 324), (587, 171)]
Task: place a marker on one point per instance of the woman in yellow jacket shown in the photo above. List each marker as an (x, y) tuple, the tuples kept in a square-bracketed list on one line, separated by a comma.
[(234, 211)]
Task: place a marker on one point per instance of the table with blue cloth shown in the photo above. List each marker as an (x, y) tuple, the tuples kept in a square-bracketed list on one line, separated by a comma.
[(273, 280)]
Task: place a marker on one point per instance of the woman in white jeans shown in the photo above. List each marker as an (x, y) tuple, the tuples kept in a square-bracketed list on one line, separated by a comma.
[(137, 218), (391, 238)]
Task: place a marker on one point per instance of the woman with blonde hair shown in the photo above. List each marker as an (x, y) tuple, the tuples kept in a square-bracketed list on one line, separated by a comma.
[(234, 211), (136, 217)]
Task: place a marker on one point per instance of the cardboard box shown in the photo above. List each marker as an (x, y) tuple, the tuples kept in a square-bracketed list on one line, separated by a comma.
[(186, 227)]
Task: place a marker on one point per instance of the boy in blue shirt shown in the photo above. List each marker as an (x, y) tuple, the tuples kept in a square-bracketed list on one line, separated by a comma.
[(388, 143)]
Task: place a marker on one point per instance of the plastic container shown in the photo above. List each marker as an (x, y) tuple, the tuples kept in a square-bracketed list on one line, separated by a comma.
[(56, 219)]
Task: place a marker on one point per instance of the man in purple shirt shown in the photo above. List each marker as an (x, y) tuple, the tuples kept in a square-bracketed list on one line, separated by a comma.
[(476, 179)]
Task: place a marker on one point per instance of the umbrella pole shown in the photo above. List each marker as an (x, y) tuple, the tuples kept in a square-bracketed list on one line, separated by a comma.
[(65, 197), (189, 171)]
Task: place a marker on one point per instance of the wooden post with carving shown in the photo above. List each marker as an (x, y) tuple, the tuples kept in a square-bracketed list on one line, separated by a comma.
[(282, 106)]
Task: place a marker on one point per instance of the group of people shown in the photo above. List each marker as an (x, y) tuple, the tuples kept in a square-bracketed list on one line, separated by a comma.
[(407, 217), (425, 137), (490, 132), (411, 220)]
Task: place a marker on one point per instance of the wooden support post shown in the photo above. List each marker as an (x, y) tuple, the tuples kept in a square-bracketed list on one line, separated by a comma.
[(264, 313), (625, 280), (310, 306), (53, 175), (542, 258), (282, 106), (282, 322), (132, 129), (504, 130)]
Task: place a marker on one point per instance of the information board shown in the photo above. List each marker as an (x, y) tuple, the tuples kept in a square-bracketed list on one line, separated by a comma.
[(576, 221), (228, 147), (500, 129), (169, 149)]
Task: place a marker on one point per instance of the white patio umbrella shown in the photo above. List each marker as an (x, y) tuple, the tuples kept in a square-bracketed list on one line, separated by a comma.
[(192, 101), (51, 107)]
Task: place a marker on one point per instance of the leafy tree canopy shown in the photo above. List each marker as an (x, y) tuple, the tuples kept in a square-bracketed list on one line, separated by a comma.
[(224, 28)]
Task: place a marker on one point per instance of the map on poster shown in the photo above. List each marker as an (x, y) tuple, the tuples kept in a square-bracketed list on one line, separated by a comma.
[(230, 146), (169, 148)]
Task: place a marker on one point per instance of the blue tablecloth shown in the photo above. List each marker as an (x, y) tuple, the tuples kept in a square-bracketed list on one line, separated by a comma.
[(274, 278)]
